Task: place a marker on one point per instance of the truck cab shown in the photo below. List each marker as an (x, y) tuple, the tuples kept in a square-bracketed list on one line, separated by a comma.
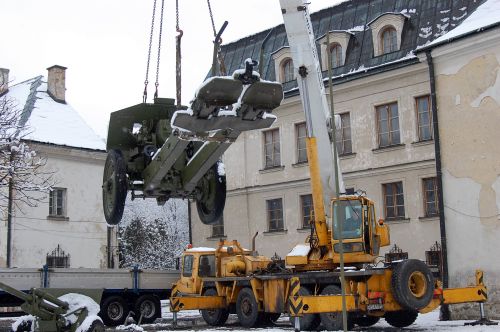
[(197, 263)]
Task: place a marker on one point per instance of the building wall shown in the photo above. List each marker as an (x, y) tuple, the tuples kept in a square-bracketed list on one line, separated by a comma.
[(249, 185), (468, 94), (84, 234)]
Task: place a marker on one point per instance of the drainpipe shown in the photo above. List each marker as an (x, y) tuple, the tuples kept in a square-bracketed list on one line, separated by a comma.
[(190, 231), (445, 312), (9, 214)]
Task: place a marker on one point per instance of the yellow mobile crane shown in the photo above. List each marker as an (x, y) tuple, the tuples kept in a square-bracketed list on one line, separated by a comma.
[(231, 279)]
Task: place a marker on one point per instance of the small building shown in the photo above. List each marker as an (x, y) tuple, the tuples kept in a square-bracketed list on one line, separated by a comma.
[(67, 228)]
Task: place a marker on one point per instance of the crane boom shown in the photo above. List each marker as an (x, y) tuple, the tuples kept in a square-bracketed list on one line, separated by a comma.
[(306, 62)]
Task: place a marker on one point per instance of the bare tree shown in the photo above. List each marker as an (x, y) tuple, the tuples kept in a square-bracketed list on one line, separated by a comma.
[(152, 236), (24, 181)]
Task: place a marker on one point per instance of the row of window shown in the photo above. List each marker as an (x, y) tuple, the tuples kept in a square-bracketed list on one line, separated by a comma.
[(388, 43), (393, 198), (388, 132)]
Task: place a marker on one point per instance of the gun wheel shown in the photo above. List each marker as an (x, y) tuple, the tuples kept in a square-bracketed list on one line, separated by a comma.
[(114, 187), (213, 196)]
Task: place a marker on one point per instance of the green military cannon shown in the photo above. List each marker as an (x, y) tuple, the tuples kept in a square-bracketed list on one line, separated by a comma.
[(58, 310), (163, 151)]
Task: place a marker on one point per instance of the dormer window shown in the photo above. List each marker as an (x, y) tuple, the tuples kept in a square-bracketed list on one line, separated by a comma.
[(388, 40), (387, 30), (283, 65), (287, 70), (336, 49), (336, 55)]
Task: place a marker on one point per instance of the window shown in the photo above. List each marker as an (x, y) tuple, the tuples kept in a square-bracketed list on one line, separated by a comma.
[(430, 197), (287, 68), (57, 258), (424, 118), (300, 130), (344, 143), (218, 228), (388, 125), (57, 202), (306, 204), (336, 55), (350, 191), (275, 214), (207, 266), (272, 148), (388, 40), (187, 266), (394, 204)]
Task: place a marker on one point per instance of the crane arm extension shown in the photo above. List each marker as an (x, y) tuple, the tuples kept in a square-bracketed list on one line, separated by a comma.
[(301, 39)]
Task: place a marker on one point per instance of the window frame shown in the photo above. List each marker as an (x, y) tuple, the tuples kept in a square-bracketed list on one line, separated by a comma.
[(274, 163), (298, 150), (393, 39), (184, 266), (305, 219), (394, 205), (53, 198), (341, 141), (278, 220), (430, 124), (218, 228), (287, 74), (389, 124), (425, 197), (339, 55)]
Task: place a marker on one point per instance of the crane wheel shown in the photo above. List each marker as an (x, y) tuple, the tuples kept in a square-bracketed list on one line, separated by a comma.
[(308, 322), (366, 321), (114, 187), (332, 321), (214, 317), (213, 196), (402, 318), (412, 284), (247, 308)]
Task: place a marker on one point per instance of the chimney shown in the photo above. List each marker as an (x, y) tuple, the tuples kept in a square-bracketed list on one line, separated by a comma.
[(4, 80), (56, 83)]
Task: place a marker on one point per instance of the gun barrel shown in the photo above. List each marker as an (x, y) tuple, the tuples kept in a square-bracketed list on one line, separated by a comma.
[(15, 292)]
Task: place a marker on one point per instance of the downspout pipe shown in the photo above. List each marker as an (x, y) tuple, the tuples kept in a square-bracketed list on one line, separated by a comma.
[(439, 177)]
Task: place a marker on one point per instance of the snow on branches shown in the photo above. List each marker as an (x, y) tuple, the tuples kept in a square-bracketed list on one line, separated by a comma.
[(23, 177)]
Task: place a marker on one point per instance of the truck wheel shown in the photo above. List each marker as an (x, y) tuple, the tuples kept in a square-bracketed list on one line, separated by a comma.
[(214, 317), (149, 307), (402, 318), (213, 196), (307, 322), (366, 321), (114, 310), (114, 187), (332, 321), (96, 326), (247, 308), (412, 284)]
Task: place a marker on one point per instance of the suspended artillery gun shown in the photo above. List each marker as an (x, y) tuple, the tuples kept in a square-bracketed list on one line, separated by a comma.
[(163, 151), (58, 310)]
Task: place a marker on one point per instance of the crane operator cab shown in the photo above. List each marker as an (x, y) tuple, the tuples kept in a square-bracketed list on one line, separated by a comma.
[(362, 234)]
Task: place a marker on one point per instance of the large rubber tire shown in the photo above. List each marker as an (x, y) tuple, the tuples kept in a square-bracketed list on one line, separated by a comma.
[(401, 318), (412, 284), (332, 321), (308, 322), (214, 317), (211, 204), (114, 187), (247, 308), (96, 326), (114, 310), (366, 321), (25, 326), (149, 306)]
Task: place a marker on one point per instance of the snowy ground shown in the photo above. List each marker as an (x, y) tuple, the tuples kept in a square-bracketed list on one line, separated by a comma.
[(190, 320)]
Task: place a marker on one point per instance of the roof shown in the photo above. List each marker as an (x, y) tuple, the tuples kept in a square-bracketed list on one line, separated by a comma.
[(49, 121), (485, 17), (426, 21)]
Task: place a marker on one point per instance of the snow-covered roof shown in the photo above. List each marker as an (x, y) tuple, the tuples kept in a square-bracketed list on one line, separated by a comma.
[(49, 121), (485, 16)]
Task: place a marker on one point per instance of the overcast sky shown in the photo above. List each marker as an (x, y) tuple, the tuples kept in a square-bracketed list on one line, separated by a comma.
[(104, 45)]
